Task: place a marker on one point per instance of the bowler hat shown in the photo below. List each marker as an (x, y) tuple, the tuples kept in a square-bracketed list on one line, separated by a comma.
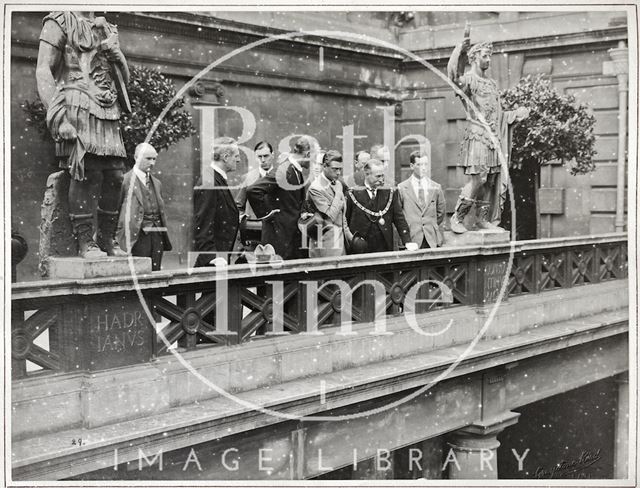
[(359, 244)]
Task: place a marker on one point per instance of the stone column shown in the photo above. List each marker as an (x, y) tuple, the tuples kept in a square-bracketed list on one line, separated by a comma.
[(621, 448), (473, 450), (619, 67)]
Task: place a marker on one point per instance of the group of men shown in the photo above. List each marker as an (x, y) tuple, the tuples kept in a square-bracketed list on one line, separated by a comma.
[(356, 218)]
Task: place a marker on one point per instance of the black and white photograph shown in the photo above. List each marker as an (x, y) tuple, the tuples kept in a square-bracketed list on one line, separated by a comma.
[(355, 244)]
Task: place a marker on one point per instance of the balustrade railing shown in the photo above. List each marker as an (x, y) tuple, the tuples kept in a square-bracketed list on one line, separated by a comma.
[(96, 324)]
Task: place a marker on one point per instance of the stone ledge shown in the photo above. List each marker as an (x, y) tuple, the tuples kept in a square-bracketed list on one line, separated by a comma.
[(476, 238), (80, 269), (163, 279)]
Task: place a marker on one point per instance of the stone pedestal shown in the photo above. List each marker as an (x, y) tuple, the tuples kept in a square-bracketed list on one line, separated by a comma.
[(79, 268), (56, 236), (476, 238), (473, 453), (102, 332)]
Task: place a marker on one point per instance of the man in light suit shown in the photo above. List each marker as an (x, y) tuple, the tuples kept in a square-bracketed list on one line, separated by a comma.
[(216, 215), (422, 203), (142, 210), (277, 199), (326, 193)]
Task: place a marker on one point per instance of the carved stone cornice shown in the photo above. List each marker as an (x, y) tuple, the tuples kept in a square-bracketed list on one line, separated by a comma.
[(537, 46), (225, 31)]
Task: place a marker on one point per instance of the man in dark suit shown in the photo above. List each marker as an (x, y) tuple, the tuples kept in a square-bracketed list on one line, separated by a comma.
[(372, 211), (215, 212), (277, 199), (142, 210)]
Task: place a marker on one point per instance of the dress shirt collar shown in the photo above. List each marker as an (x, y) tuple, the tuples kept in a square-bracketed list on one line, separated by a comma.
[(425, 182), (263, 172), (219, 170), (418, 181), (142, 176), (324, 181), (370, 190)]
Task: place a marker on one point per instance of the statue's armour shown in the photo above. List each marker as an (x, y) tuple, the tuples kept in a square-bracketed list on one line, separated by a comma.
[(478, 147), (84, 77)]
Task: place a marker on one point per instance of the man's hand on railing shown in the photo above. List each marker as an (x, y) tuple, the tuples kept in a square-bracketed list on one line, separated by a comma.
[(218, 262)]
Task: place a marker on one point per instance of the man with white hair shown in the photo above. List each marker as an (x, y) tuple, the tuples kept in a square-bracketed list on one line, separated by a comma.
[(142, 210)]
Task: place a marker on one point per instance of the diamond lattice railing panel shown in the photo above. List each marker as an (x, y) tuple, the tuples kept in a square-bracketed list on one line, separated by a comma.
[(397, 284), (330, 302), (523, 276), (454, 278), (612, 262), (552, 271), (189, 321), (259, 305), (582, 266), (25, 334)]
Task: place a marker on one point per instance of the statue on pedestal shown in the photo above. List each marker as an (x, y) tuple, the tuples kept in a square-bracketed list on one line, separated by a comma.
[(479, 150), (81, 78)]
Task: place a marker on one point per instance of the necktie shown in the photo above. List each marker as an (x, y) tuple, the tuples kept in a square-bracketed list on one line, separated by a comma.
[(421, 197), (147, 181)]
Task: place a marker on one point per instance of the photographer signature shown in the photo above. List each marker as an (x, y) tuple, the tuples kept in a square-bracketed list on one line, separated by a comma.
[(570, 468)]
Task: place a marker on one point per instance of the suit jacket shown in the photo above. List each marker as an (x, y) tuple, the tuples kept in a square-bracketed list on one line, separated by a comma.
[(363, 223), (215, 218), (424, 221), (330, 202), (280, 230), (137, 211), (241, 198)]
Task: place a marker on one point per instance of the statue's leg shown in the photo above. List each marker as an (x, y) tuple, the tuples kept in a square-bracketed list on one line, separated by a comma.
[(82, 197), (467, 198), (111, 186), (108, 212), (496, 197), (485, 203)]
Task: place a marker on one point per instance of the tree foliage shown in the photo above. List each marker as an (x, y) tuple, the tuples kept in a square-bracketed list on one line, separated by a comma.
[(150, 93), (557, 128)]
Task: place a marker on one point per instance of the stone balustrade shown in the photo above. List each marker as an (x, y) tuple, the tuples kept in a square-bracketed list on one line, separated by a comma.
[(103, 323)]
